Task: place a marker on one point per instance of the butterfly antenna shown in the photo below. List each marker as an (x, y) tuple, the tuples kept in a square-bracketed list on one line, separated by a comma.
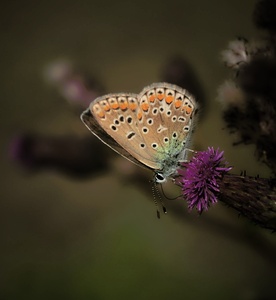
[(154, 199), (159, 196)]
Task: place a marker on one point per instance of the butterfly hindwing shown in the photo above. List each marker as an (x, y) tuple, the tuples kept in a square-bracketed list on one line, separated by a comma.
[(117, 115), (171, 115)]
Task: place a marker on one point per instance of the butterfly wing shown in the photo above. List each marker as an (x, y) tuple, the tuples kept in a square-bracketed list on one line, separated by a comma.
[(171, 114), (114, 118), (91, 123), (150, 129)]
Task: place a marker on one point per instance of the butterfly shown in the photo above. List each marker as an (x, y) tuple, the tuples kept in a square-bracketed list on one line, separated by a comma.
[(152, 129)]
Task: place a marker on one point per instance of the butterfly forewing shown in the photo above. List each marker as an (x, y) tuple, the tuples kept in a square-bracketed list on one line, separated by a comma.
[(120, 117), (94, 127)]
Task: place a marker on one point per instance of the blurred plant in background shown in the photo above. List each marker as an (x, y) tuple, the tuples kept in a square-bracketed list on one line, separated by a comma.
[(77, 230), (249, 105), (249, 99), (249, 110)]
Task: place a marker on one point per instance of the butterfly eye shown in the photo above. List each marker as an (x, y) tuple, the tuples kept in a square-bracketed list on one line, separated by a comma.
[(159, 178)]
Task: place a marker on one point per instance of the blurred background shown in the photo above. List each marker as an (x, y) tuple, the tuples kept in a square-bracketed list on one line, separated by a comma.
[(94, 236)]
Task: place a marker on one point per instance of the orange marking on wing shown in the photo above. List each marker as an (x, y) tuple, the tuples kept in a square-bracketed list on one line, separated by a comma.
[(160, 96), (177, 103), (169, 99), (152, 98), (106, 107), (123, 105), (115, 105), (187, 109), (144, 106), (139, 115), (101, 114), (132, 106)]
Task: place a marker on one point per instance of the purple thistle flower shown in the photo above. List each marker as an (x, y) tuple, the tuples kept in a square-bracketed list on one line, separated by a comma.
[(199, 179)]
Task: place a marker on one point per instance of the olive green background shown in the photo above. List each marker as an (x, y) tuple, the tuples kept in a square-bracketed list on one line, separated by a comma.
[(98, 238)]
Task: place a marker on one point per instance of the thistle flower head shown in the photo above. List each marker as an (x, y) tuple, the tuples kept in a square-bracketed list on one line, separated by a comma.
[(199, 179)]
